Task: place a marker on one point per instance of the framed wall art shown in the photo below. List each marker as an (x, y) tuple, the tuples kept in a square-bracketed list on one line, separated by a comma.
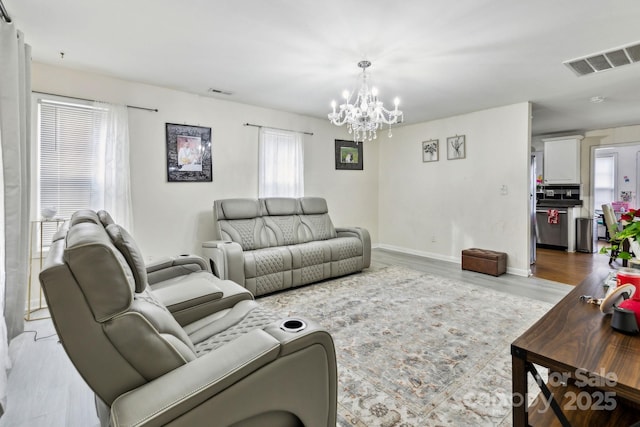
[(430, 150), (348, 155), (188, 153), (456, 147)]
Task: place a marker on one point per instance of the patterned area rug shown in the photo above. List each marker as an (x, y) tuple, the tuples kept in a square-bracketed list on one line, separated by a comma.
[(415, 349)]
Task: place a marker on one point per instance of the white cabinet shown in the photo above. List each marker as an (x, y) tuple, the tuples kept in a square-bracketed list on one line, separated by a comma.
[(562, 160)]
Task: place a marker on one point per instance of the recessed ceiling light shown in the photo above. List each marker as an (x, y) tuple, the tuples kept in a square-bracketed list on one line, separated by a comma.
[(596, 99)]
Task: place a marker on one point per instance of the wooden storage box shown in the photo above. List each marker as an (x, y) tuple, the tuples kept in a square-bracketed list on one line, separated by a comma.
[(484, 261)]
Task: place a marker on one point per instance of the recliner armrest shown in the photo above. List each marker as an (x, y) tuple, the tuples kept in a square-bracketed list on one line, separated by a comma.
[(226, 259), (177, 392), (167, 268)]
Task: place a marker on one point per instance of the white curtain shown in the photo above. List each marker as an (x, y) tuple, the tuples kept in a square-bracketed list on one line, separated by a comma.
[(15, 107), (113, 182), (281, 164)]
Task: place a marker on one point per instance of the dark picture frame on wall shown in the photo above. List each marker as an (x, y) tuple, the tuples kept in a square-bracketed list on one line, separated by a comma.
[(188, 153), (348, 155)]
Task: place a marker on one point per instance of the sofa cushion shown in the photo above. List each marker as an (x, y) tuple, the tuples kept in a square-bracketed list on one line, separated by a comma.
[(239, 220), (269, 269), (129, 249), (284, 230), (311, 262), (237, 208), (275, 206), (318, 226), (313, 205), (248, 233)]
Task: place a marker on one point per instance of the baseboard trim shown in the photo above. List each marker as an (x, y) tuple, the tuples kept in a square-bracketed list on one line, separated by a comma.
[(440, 257), (423, 254)]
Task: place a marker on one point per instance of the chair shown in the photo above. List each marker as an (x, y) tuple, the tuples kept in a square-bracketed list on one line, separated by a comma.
[(227, 362), (613, 227)]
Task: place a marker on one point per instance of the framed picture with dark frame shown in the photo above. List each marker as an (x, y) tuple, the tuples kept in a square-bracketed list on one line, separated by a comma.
[(430, 150), (348, 155), (188, 153)]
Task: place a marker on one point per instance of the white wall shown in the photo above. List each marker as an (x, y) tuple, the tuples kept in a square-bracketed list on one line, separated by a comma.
[(173, 218), (438, 208)]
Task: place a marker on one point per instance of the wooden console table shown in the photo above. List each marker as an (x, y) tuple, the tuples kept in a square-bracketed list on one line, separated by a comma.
[(594, 370)]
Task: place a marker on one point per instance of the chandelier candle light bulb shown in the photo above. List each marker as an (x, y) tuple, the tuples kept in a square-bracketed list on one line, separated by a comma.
[(367, 114)]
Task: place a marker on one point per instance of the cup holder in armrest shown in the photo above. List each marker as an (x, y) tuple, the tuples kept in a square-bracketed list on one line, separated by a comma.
[(293, 325)]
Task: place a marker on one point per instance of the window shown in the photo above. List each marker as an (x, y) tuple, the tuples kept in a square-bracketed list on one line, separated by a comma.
[(83, 160), (281, 164), (604, 180)]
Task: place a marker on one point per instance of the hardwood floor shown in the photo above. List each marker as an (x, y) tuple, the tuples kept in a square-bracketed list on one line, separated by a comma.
[(45, 390), (570, 268)]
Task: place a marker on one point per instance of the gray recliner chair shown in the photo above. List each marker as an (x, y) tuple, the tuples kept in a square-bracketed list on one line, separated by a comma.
[(227, 362)]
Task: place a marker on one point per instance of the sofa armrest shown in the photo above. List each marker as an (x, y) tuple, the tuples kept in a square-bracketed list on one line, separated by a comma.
[(166, 268), (365, 238), (179, 391), (226, 259)]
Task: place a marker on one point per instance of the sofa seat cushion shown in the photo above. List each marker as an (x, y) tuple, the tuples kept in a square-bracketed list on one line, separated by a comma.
[(344, 248), (346, 255), (267, 270), (311, 262)]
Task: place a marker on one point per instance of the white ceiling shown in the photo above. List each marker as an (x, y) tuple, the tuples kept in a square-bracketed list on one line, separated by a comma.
[(441, 57)]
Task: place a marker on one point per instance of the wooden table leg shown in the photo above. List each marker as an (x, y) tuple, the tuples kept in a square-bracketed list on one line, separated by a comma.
[(519, 388)]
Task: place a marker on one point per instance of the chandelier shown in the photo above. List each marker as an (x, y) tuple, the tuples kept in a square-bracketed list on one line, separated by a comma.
[(367, 114)]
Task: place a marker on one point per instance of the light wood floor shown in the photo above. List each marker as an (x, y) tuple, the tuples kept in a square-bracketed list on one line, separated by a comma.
[(44, 389)]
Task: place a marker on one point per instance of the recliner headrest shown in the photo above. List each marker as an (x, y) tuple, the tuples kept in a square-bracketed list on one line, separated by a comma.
[(105, 218), (100, 270), (129, 248), (84, 215), (313, 205), (237, 208), (280, 206)]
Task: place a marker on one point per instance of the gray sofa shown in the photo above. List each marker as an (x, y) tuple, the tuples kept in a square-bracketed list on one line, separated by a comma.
[(188, 350), (271, 244)]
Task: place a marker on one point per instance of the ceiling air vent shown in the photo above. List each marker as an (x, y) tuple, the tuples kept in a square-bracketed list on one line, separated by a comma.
[(605, 60)]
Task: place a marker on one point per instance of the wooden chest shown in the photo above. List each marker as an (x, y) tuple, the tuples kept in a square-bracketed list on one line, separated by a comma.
[(484, 261)]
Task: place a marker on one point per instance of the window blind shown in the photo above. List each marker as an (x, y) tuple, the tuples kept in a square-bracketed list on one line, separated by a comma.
[(68, 144)]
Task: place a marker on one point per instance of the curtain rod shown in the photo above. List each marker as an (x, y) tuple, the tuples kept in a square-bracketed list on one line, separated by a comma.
[(3, 12), (288, 130), (93, 100)]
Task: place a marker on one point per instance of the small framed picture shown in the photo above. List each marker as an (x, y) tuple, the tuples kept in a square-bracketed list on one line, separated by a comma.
[(348, 155), (456, 147), (430, 150)]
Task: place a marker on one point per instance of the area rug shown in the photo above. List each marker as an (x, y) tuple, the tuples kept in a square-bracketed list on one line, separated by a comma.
[(416, 349)]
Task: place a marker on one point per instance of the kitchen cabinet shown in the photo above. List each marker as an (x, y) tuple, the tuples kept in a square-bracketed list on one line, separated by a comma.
[(562, 160)]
